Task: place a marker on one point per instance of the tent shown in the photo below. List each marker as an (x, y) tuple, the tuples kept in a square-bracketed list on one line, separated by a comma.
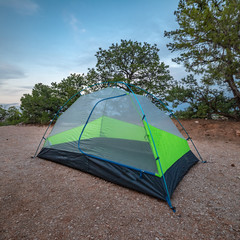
[(123, 138)]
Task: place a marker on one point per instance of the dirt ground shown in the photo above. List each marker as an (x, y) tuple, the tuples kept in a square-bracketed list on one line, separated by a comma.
[(44, 200)]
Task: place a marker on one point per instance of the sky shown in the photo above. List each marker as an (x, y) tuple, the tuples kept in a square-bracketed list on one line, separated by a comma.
[(44, 41)]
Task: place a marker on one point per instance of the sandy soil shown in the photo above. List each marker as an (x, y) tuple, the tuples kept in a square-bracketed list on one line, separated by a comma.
[(43, 200)]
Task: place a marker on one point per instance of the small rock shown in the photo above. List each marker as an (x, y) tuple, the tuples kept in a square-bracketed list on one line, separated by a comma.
[(232, 165), (238, 133)]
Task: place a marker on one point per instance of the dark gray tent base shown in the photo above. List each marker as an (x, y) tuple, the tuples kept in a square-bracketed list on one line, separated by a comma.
[(131, 178)]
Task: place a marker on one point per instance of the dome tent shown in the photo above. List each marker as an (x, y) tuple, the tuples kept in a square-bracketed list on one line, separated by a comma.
[(123, 138)]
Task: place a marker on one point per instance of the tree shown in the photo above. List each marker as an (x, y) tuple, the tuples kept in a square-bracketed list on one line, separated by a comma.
[(3, 113), (13, 115), (69, 86), (208, 39), (203, 101), (9, 116), (134, 63), (40, 106), (45, 101)]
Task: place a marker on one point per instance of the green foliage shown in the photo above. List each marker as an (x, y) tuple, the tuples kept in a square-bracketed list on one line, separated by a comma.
[(135, 63), (3, 113), (13, 115), (131, 62), (204, 101), (10, 116), (69, 86), (208, 39), (39, 106), (45, 101)]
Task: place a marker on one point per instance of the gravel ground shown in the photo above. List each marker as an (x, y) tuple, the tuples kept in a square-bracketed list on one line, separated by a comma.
[(43, 200)]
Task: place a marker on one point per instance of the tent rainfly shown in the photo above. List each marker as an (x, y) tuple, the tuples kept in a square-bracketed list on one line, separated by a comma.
[(123, 138)]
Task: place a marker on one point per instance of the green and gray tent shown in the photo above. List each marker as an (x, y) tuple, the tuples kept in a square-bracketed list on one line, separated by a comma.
[(121, 137)]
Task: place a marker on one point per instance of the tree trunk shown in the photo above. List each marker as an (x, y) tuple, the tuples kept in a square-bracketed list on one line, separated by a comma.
[(234, 89)]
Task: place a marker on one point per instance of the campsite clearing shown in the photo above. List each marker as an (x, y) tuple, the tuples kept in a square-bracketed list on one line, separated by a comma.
[(44, 200)]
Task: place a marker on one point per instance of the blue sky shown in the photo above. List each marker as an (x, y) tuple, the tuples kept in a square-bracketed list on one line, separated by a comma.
[(46, 40)]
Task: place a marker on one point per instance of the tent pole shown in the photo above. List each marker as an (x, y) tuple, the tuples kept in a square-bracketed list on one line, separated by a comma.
[(189, 138), (171, 113), (157, 159), (43, 137)]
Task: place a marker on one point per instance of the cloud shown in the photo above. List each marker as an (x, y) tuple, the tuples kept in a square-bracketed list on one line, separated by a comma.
[(25, 7), (75, 24), (11, 93), (9, 71), (26, 87)]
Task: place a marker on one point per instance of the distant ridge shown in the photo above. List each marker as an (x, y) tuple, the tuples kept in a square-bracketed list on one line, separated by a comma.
[(7, 105)]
